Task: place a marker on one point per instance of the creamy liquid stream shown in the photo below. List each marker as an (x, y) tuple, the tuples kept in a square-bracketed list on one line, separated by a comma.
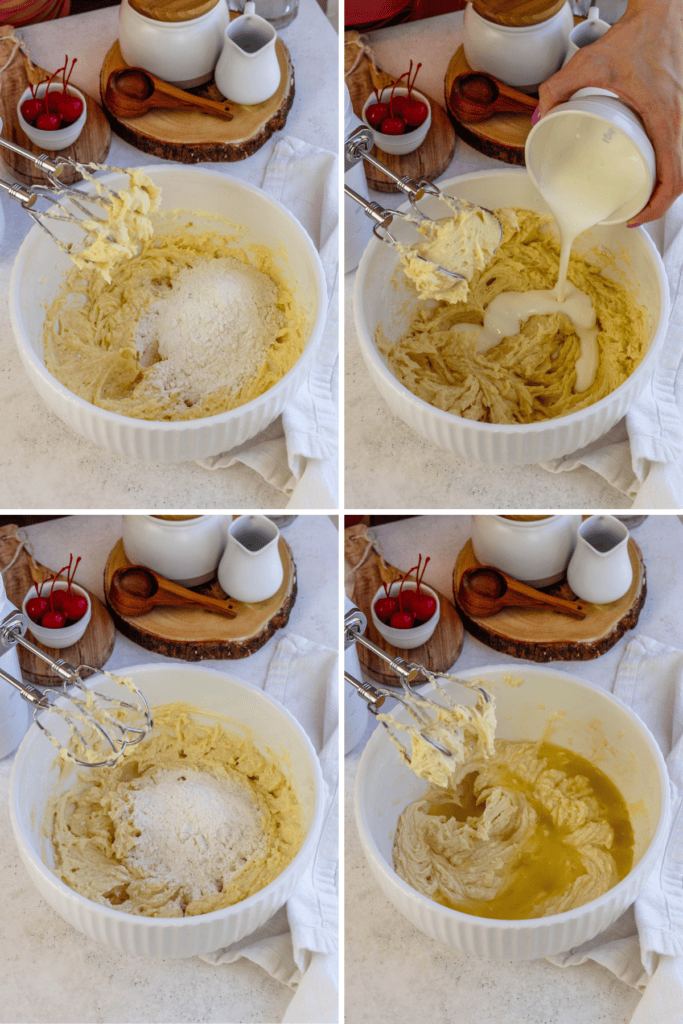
[(589, 174)]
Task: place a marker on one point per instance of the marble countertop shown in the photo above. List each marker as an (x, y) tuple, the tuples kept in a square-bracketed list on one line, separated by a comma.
[(52, 973), (388, 465), (393, 971), (45, 464)]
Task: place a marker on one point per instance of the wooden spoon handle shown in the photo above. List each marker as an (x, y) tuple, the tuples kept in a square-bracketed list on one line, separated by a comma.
[(527, 596), (179, 98), (525, 102), (181, 595)]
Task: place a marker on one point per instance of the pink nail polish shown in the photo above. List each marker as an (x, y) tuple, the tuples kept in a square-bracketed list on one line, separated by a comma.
[(536, 116)]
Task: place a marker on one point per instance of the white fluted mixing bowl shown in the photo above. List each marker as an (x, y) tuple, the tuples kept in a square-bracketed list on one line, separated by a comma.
[(377, 300), (38, 273), (35, 775), (591, 722)]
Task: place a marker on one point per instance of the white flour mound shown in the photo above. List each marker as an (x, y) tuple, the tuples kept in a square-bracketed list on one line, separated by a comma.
[(193, 829), (210, 331)]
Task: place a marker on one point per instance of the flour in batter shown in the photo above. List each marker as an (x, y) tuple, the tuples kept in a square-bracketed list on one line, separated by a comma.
[(193, 819)]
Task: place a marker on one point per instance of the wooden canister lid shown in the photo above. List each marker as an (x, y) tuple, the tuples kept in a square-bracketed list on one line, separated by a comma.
[(173, 10), (517, 13)]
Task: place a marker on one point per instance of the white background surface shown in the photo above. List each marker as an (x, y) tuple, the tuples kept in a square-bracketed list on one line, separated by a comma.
[(388, 465), (395, 973), (52, 973), (43, 463)]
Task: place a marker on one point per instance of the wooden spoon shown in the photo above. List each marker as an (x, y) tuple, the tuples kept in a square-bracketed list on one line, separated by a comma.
[(484, 591), (476, 97), (130, 93), (135, 589)]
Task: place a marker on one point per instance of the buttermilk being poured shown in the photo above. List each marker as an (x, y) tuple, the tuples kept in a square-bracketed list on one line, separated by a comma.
[(588, 171)]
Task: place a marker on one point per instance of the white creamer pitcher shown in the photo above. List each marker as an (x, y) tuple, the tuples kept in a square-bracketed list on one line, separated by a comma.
[(251, 567), (248, 70), (600, 569)]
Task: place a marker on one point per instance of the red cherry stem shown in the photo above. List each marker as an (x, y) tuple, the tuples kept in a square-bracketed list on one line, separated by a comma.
[(423, 573), (411, 86), (47, 90), (405, 577), (65, 77), (73, 574), (391, 103), (54, 580)]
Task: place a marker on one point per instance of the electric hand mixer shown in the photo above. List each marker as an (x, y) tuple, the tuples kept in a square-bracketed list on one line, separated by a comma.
[(99, 728)]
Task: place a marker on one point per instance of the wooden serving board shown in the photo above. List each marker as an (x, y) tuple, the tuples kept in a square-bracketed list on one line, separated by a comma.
[(95, 646), (542, 635), (430, 159), (441, 650), (191, 136), (92, 145), (194, 634)]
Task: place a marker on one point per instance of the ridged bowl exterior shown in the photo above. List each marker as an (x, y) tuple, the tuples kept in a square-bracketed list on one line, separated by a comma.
[(34, 773), (37, 274), (507, 444), (384, 787)]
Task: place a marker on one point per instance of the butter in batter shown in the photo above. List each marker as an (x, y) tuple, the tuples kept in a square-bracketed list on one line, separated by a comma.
[(191, 820), (463, 243), (530, 831)]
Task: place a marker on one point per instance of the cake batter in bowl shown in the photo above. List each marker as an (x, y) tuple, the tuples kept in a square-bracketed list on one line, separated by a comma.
[(385, 304), (206, 200)]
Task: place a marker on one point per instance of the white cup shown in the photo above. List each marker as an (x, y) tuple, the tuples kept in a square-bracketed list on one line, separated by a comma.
[(587, 32)]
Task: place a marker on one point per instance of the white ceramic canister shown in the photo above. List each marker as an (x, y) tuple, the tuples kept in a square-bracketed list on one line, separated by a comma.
[(185, 549), (356, 712), (15, 713), (533, 549), (179, 41), (599, 133), (357, 227), (521, 48)]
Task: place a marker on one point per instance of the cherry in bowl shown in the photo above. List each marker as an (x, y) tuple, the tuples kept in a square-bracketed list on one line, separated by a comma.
[(416, 635), (58, 637)]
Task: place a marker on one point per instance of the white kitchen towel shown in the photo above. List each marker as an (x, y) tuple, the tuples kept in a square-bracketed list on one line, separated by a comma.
[(643, 455), (299, 946), (298, 453), (644, 947)]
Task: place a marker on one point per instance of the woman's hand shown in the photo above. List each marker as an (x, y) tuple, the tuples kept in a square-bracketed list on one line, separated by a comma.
[(641, 60)]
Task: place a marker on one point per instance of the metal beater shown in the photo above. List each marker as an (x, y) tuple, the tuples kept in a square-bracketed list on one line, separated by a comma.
[(357, 147), (417, 705), (59, 195), (95, 721)]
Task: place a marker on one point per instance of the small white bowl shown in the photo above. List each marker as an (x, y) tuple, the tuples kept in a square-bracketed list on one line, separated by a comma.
[(58, 638), (37, 774), (63, 137), (585, 719), (406, 638), (409, 141)]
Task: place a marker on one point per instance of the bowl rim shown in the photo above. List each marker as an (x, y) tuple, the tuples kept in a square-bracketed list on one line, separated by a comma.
[(643, 866), (371, 353), (164, 923), (38, 367)]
